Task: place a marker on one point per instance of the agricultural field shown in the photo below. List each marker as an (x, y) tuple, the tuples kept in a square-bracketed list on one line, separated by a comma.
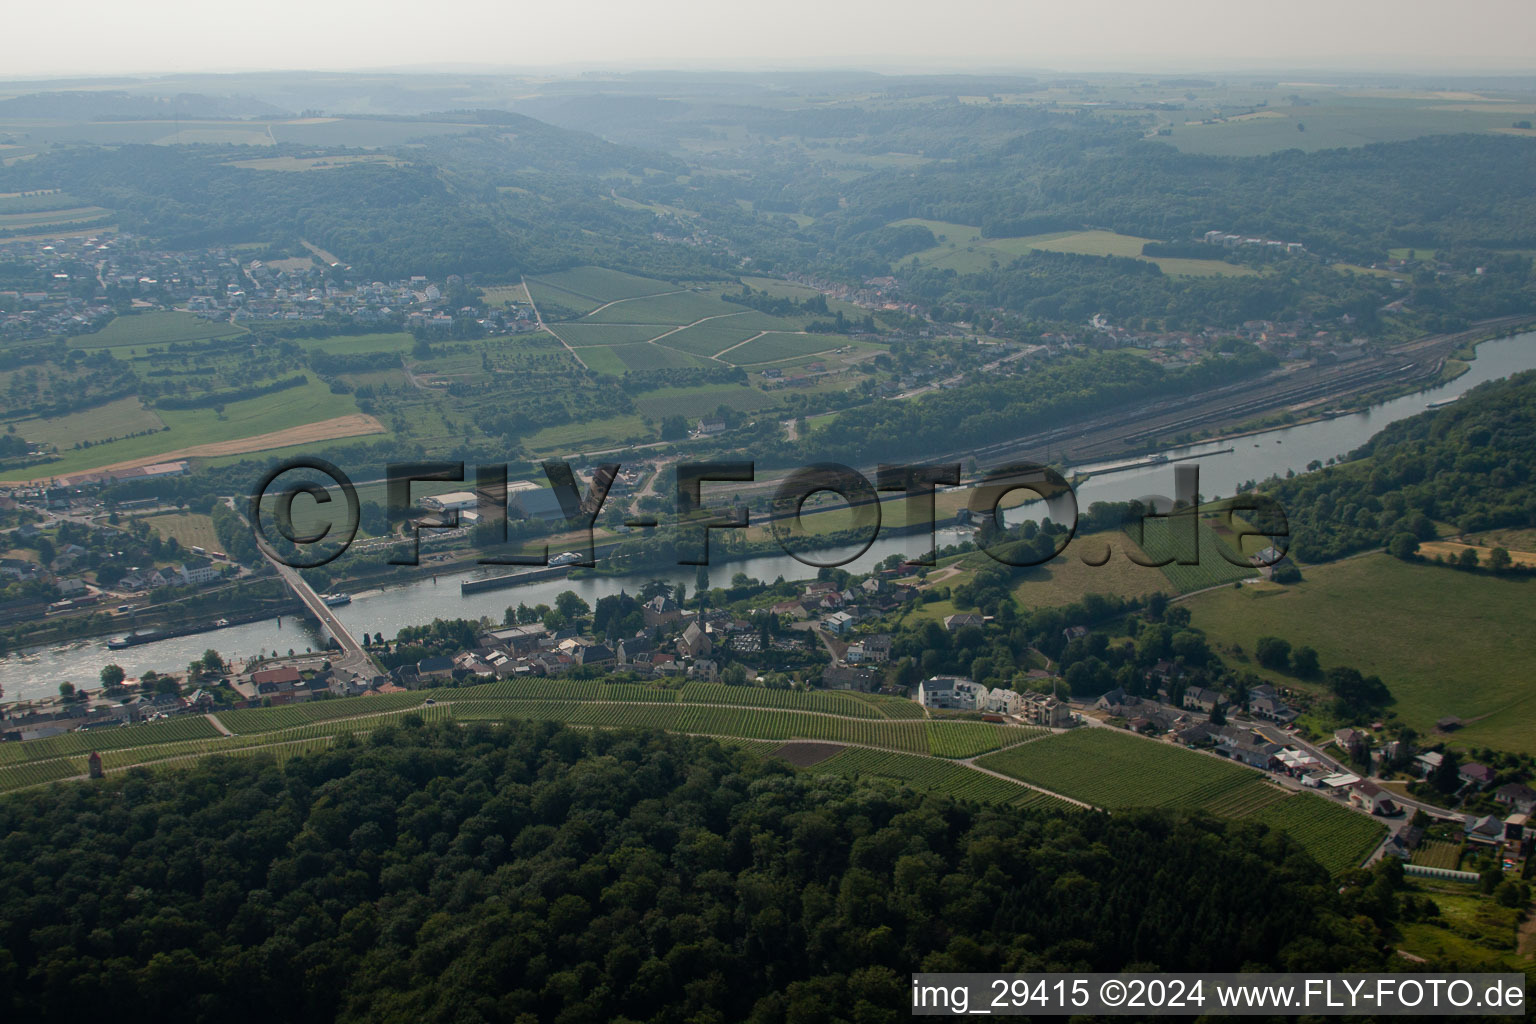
[(927, 773), (583, 335), (186, 727), (42, 220), (670, 308), (963, 249), (110, 419), (695, 402), (250, 419), (145, 329), (709, 339), (1437, 853), (1444, 642), (777, 346), (356, 344), (252, 720), (1336, 836), (1114, 770), (1067, 578), (1338, 120), (35, 773), (1160, 540), (602, 285), (313, 163)]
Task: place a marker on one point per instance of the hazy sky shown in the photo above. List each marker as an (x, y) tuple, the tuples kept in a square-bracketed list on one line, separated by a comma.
[(115, 36)]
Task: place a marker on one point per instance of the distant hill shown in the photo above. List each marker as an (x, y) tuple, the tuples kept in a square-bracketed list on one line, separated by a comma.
[(91, 105)]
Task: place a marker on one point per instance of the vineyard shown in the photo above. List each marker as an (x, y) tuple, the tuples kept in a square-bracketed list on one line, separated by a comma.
[(251, 720), (1111, 769), (1115, 770), (36, 772), (1337, 837), (1437, 853), (183, 728), (927, 773), (1213, 567)]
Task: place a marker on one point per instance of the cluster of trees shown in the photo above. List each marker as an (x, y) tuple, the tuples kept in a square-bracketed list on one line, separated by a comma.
[(1470, 464), (985, 410), (530, 872)]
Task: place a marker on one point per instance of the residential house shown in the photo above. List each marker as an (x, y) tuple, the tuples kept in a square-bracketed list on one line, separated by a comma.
[(1487, 829), (839, 623), (1370, 797), (954, 692), (1352, 742), (848, 677), (1516, 795), (1203, 699), (1479, 776), (1045, 709), (960, 620)]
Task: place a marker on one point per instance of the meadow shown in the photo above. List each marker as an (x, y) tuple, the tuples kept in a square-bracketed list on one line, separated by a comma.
[(265, 414), (156, 328), (191, 529), (1445, 642), (110, 419)]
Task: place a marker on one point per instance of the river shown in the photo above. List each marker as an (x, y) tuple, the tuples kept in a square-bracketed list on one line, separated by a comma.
[(38, 672)]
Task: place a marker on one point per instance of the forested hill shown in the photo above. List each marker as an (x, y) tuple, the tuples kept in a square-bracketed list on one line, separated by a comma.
[(1472, 464), (528, 872)]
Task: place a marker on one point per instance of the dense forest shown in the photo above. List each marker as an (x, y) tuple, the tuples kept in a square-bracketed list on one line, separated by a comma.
[(1472, 465), (529, 872)]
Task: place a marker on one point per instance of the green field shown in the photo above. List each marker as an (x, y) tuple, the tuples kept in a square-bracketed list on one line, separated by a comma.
[(191, 529), (42, 219), (354, 344), (711, 338), (602, 285), (111, 419), (145, 329), (927, 773), (775, 347), (1338, 837), (672, 308), (1337, 121), (582, 335), (264, 414), (1115, 770), (1162, 537), (1444, 642), (1432, 853), (700, 401)]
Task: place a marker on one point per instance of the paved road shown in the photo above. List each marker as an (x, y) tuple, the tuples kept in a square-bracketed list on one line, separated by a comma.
[(354, 660)]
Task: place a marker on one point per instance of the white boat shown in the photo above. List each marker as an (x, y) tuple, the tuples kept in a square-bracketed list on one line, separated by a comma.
[(334, 600)]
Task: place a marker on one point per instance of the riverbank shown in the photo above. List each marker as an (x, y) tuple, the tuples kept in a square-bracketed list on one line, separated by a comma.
[(391, 602)]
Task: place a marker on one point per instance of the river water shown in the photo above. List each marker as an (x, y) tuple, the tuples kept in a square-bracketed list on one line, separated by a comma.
[(39, 672)]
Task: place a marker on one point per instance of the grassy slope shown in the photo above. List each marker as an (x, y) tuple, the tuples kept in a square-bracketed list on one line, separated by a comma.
[(1444, 642)]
